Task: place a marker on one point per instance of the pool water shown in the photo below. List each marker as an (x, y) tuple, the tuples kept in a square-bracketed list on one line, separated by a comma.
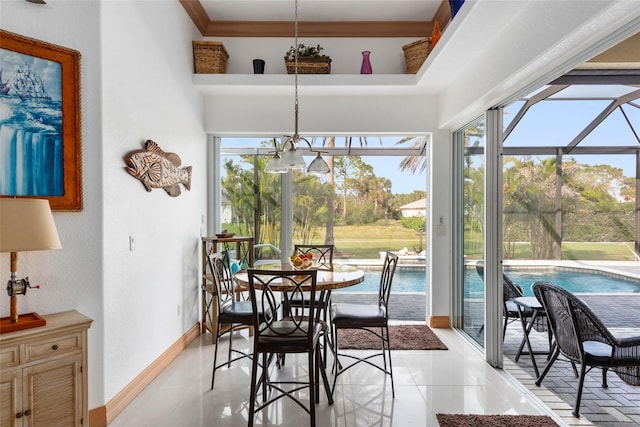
[(573, 280), (404, 280), (576, 281)]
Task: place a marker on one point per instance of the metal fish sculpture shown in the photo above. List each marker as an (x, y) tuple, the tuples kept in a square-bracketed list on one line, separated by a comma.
[(157, 169)]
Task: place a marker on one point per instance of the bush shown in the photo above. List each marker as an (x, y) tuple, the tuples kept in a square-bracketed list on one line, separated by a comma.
[(414, 223)]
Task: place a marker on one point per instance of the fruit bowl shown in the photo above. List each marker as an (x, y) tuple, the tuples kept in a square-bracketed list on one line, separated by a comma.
[(301, 261)]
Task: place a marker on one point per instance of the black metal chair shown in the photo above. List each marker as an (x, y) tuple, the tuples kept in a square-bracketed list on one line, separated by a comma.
[(232, 314), (288, 335), (323, 259), (373, 318), (581, 337)]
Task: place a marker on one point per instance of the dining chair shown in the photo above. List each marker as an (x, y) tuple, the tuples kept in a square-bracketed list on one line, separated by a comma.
[(322, 259), (292, 334), (581, 337), (232, 314), (373, 318)]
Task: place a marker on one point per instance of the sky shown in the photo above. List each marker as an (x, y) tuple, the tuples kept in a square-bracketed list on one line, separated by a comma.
[(401, 182), (557, 123)]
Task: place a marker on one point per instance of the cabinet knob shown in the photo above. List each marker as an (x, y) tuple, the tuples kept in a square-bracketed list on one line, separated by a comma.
[(55, 347), (19, 415), (27, 412)]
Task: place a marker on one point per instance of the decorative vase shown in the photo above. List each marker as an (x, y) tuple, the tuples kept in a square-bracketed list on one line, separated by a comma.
[(455, 6), (366, 63), (435, 34)]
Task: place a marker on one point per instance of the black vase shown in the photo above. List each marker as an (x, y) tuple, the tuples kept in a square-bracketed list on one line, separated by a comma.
[(258, 66)]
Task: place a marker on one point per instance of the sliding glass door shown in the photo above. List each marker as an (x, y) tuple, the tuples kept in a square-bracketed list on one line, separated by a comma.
[(470, 296)]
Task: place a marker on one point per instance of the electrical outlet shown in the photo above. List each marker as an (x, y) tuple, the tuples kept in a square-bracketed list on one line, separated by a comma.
[(132, 243)]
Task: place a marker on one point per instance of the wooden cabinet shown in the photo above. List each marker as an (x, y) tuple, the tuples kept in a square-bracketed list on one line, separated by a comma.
[(240, 249), (43, 373)]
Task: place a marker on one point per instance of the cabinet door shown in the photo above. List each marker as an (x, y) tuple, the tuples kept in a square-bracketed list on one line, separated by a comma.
[(53, 393), (11, 398)]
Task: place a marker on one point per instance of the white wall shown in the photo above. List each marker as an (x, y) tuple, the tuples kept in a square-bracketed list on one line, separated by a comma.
[(151, 293), (136, 84), (341, 115)]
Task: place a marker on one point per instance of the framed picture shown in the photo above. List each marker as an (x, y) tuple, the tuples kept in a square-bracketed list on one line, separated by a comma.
[(40, 121)]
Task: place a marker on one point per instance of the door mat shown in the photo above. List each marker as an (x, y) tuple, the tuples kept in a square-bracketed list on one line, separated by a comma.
[(402, 337), (472, 420)]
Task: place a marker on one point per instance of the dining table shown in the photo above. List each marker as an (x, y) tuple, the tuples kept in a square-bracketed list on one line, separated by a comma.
[(329, 277)]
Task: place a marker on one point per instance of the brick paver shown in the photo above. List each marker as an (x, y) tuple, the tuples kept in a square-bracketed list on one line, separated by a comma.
[(619, 404)]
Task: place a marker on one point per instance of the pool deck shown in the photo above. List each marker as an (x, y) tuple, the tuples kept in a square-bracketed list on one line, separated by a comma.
[(619, 404)]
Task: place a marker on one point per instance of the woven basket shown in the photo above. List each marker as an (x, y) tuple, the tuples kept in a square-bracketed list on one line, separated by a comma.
[(209, 57), (309, 65), (415, 53)]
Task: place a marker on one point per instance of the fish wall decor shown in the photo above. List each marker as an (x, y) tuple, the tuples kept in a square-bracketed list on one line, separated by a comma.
[(157, 169)]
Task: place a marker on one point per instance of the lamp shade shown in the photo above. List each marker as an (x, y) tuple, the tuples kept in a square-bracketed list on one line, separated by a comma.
[(27, 225)]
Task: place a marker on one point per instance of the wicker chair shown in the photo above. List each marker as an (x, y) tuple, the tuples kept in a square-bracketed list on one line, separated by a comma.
[(289, 335), (509, 309), (581, 337), (373, 318)]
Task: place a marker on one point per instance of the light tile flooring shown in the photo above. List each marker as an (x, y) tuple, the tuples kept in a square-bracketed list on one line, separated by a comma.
[(426, 382)]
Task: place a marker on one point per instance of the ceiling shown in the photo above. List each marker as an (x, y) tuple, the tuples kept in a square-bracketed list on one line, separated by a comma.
[(327, 18)]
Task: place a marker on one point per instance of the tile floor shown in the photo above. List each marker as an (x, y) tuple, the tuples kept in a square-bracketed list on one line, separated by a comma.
[(426, 382)]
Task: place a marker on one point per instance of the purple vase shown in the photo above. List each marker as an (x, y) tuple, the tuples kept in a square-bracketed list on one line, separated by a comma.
[(366, 63)]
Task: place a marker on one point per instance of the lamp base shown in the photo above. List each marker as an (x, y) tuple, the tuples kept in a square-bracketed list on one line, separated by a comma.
[(25, 321)]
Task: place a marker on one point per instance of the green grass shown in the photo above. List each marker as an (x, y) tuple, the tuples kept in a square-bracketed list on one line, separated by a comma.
[(365, 241), (591, 251)]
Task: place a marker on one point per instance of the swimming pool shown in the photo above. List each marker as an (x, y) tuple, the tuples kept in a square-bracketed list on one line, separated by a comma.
[(572, 279), (404, 280)]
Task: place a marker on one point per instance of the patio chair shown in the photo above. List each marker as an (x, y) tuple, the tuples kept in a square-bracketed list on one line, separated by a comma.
[(510, 291), (373, 318), (581, 337)]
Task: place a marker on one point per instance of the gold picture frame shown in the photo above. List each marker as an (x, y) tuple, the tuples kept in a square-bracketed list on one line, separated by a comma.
[(40, 151)]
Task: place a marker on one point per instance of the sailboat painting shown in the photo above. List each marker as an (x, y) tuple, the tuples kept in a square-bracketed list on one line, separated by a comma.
[(30, 126), (36, 147)]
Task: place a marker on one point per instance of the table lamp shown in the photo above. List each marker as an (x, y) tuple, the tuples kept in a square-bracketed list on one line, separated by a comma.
[(25, 225)]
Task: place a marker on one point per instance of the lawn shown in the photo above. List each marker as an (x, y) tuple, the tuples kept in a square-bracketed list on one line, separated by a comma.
[(367, 240)]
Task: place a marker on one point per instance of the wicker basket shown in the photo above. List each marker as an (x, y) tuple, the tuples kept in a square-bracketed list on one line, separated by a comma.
[(415, 53), (209, 57), (309, 65)]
